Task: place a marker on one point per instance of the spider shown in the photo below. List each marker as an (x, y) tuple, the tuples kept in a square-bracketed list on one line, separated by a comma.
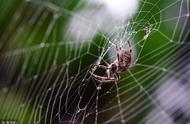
[(121, 64)]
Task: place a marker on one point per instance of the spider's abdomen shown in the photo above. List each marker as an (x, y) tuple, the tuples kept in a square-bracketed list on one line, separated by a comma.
[(124, 60)]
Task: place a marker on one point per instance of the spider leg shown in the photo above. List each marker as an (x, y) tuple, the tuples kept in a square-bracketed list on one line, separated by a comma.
[(108, 73), (102, 66), (118, 56), (117, 48), (105, 62), (98, 77), (106, 80), (103, 79), (117, 76), (129, 46)]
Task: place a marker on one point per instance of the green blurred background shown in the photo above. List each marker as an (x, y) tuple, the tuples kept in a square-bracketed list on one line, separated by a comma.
[(39, 65)]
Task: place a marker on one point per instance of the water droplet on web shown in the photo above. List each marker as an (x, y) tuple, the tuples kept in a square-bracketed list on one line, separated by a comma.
[(35, 77), (99, 88), (123, 121), (134, 32), (42, 45), (163, 69), (87, 115), (108, 92), (141, 46), (79, 111), (5, 89)]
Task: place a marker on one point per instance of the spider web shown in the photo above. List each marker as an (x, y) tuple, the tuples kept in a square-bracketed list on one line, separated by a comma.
[(44, 77)]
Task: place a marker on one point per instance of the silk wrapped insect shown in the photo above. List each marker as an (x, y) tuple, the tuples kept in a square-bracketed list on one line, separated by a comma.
[(113, 70)]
